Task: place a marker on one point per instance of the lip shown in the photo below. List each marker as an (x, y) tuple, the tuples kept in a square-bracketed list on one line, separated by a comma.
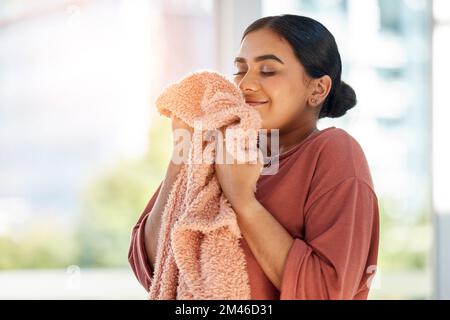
[(255, 103)]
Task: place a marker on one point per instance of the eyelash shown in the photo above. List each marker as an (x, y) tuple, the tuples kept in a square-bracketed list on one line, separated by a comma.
[(266, 74)]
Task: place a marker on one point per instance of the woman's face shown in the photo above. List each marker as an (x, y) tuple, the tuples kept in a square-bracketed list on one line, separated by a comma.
[(273, 81)]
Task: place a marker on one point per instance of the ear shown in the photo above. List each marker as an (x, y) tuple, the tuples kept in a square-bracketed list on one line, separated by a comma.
[(320, 90)]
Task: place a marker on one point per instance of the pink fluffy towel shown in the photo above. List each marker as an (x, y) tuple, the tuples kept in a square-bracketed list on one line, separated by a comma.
[(199, 254)]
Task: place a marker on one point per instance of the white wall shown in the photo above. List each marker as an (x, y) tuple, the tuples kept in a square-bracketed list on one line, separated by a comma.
[(441, 148)]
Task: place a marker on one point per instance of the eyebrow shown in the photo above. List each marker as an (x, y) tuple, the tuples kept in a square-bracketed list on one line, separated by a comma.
[(259, 58)]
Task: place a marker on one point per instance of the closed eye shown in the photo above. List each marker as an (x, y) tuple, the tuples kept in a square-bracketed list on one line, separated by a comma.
[(264, 73)]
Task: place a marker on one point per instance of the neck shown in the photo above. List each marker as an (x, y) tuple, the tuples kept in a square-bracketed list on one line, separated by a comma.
[(290, 138)]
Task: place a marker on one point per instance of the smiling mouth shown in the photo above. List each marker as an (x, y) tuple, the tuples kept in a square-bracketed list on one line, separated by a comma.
[(255, 104)]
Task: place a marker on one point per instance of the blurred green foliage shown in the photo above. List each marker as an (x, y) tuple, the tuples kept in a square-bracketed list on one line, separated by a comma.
[(111, 205), (114, 201), (43, 244), (405, 244)]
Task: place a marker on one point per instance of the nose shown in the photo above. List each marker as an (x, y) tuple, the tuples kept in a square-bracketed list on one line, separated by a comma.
[(248, 83)]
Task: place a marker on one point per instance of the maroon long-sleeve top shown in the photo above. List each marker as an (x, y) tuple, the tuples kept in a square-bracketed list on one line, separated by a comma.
[(324, 196)]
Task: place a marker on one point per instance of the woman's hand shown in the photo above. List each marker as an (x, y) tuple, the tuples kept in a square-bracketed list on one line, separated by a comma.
[(238, 180)]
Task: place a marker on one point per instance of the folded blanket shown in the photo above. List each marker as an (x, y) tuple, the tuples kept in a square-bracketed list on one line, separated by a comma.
[(199, 254)]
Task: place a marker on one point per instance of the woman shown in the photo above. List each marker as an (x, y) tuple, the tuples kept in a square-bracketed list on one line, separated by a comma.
[(311, 230)]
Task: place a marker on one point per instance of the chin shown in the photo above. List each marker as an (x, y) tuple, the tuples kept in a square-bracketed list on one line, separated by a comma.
[(266, 124)]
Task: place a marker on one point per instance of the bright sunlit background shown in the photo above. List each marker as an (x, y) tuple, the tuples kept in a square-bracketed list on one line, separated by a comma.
[(82, 147)]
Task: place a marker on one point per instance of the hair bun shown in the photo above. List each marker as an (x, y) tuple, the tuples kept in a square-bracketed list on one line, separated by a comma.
[(344, 99)]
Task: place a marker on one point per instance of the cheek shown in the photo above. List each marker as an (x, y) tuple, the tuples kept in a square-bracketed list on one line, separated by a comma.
[(284, 91), (287, 100)]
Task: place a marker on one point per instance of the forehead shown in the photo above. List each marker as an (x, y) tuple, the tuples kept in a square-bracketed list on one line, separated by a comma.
[(265, 41)]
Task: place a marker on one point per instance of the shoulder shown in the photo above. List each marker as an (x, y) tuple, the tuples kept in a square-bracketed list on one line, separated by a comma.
[(336, 139), (339, 156)]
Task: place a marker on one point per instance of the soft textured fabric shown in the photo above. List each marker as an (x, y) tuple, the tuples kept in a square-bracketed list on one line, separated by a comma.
[(198, 254), (323, 195)]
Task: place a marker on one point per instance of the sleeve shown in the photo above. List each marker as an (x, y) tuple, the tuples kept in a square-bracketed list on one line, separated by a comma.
[(336, 257), (137, 255)]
